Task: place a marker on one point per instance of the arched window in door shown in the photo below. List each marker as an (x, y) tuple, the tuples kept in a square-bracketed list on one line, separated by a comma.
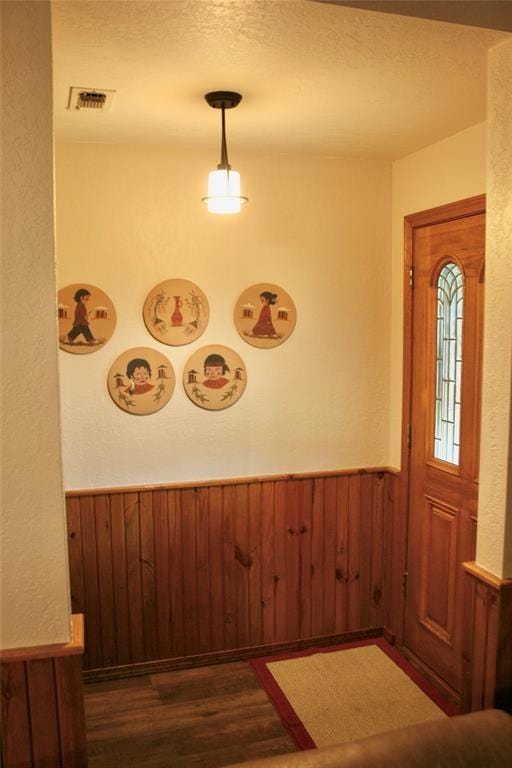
[(450, 288)]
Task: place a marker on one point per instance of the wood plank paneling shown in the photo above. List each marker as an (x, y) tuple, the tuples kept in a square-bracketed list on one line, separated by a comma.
[(354, 552), (177, 572), (43, 721), (365, 551), (267, 561), (134, 578), (242, 564), (162, 582), (306, 566), (43, 711), (147, 557), (487, 648), (190, 597), (94, 655), (503, 679), (216, 562), (70, 705), (205, 606), (395, 554), (317, 558), (75, 556), (254, 571), (177, 646), (280, 534), (16, 739), (228, 570), (377, 556), (329, 564), (105, 577), (341, 539), (292, 559), (121, 617)]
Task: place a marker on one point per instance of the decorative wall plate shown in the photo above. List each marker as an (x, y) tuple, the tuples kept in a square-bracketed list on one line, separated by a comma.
[(141, 381), (176, 312), (87, 318), (214, 377), (265, 315)]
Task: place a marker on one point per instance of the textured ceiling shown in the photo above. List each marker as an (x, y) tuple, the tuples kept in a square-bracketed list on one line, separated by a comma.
[(315, 77), (492, 14)]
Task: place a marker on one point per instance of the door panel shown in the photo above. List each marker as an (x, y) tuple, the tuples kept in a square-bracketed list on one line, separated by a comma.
[(438, 567), (447, 315)]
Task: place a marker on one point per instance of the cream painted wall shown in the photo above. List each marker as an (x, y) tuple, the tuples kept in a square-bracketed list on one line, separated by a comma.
[(33, 562), (129, 217), (449, 170), (494, 540)]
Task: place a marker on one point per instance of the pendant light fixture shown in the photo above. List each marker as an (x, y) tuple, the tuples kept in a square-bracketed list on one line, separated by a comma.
[(224, 183)]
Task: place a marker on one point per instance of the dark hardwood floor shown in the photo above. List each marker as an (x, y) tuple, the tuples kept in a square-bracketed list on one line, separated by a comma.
[(209, 717)]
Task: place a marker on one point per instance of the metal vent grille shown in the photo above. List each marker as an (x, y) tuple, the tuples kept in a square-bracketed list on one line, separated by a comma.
[(90, 98)]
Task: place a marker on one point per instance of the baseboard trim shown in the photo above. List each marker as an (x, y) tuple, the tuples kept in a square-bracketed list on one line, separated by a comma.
[(427, 672), (389, 636), (224, 657)]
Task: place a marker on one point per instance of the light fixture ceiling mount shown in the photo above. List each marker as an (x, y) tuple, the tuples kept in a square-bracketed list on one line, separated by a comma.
[(223, 99), (224, 183)]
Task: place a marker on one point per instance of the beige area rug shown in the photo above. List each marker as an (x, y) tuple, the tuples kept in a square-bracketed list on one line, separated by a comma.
[(345, 694)]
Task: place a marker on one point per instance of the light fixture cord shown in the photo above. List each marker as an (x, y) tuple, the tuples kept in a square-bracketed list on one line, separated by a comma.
[(224, 149)]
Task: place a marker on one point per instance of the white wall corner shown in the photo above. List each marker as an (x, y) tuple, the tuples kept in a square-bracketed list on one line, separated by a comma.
[(494, 536)]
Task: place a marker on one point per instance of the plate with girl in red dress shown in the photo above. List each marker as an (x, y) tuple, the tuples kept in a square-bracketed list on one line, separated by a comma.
[(265, 315)]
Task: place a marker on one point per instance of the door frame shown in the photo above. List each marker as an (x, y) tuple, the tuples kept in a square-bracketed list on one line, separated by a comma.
[(438, 215)]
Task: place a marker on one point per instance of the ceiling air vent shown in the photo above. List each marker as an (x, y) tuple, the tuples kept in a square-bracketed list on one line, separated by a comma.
[(90, 98)]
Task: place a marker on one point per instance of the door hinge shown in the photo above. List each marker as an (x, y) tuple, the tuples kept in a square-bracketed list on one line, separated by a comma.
[(411, 277), (409, 436), (404, 583)]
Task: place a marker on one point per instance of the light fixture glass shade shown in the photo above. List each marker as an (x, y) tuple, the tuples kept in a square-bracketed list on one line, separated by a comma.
[(224, 192)]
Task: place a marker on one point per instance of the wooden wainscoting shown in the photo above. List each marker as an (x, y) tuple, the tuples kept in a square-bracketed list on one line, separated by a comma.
[(487, 650), (395, 544), (43, 720), (196, 570)]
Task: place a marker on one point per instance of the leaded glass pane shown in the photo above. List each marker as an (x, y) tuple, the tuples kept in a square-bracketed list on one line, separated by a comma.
[(448, 364)]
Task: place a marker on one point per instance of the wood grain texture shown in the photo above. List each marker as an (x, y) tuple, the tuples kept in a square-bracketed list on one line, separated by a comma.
[(400, 490), (42, 704), (207, 569), (16, 736), (42, 708), (487, 648), (442, 495), (193, 718), (70, 709)]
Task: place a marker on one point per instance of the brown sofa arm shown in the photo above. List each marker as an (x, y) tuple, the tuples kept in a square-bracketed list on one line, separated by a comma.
[(477, 740)]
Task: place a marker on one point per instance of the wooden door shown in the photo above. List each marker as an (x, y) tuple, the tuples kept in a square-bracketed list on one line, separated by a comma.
[(446, 342)]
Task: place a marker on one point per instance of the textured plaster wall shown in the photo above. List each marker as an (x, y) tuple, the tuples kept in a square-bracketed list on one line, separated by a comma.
[(449, 170), (33, 566), (494, 541), (129, 217)]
